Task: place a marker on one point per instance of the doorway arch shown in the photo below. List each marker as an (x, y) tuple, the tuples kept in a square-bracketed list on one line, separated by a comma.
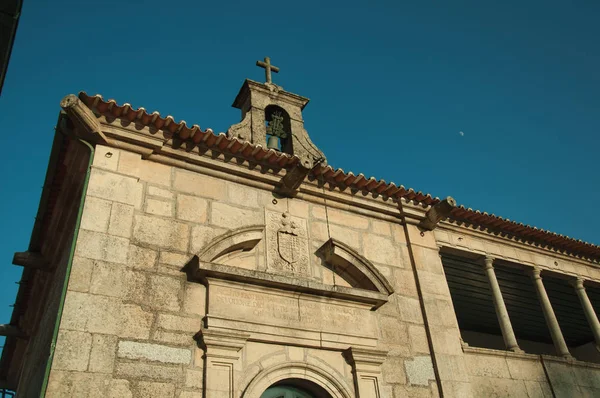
[(302, 376), (295, 388)]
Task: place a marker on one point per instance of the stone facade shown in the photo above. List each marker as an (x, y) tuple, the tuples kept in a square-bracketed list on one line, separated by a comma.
[(192, 277)]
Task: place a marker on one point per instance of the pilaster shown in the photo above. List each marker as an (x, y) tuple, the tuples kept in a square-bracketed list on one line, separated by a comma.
[(222, 361), (366, 366)]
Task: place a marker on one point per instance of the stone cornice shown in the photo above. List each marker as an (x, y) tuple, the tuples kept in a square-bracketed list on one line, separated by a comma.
[(199, 271)]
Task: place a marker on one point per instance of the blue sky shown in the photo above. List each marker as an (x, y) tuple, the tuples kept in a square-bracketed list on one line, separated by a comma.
[(392, 85)]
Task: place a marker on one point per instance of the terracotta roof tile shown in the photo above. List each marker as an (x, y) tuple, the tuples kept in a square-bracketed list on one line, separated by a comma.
[(335, 177)]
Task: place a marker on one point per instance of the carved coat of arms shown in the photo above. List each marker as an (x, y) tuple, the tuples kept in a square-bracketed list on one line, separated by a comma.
[(287, 244)]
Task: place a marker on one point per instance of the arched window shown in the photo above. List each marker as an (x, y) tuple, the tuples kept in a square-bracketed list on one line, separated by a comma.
[(295, 388), (279, 129)]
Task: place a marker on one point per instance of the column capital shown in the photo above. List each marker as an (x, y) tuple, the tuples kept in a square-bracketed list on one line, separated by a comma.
[(489, 261), (577, 283), (535, 273)]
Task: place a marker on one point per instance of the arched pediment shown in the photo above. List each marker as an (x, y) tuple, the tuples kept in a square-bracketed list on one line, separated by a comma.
[(241, 239), (354, 268)]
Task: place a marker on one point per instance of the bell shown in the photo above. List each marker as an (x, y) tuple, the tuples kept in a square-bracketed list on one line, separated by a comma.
[(273, 142)]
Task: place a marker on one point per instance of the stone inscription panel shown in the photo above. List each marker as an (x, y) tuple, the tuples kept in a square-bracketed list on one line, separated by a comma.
[(293, 310)]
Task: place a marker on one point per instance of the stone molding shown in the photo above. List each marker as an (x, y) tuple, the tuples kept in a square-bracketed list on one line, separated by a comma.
[(244, 238), (222, 344), (297, 370), (198, 271), (366, 366), (343, 255)]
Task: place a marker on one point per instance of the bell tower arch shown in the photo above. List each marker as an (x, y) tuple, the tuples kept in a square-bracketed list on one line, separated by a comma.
[(272, 118)]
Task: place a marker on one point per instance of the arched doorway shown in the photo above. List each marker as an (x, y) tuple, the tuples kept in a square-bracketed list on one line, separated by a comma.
[(295, 388)]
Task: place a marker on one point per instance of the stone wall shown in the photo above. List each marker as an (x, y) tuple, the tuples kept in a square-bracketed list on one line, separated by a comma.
[(131, 319), (40, 318), (130, 315), (504, 374)]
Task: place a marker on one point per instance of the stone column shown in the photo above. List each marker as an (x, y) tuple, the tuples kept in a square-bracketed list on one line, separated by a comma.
[(551, 321), (510, 341), (222, 356), (366, 366), (588, 309)]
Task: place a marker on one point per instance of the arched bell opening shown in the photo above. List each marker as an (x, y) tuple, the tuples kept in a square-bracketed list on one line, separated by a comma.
[(279, 129), (295, 388)]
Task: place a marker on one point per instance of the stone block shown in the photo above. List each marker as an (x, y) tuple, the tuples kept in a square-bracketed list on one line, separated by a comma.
[(489, 366), (200, 185), (409, 309), (525, 369), (191, 208), (115, 187), (135, 323), (164, 293), (163, 233), (560, 373), (152, 371), (408, 391), (446, 341), (85, 312), (452, 367), (159, 207), (340, 217), (393, 370), (183, 339), (190, 394), (160, 192), (226, 216), (296, 353), (81, 274), (381, 250), (587, 377), (119, 388), (146, 170), (179, 323), (202, 235), (393, 331), (320, 232), (418, 339), (193, 378), (427, 259), (177, 260), (405, 284), (381, 228), (398, 233), (141, 257), (298, 208), (149, 389), (492, 387), (102, 356), (334, 359), (153, 352), (427, 240), (98, 246), (419, 370), (242, 195), (64, 384), (121, 218), (118, 281), (96, 214), (72, 350), (106, 157), (536, 389), (434, 284)]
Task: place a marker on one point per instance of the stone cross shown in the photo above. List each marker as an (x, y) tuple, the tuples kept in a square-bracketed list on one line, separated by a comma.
[(268, 68)]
